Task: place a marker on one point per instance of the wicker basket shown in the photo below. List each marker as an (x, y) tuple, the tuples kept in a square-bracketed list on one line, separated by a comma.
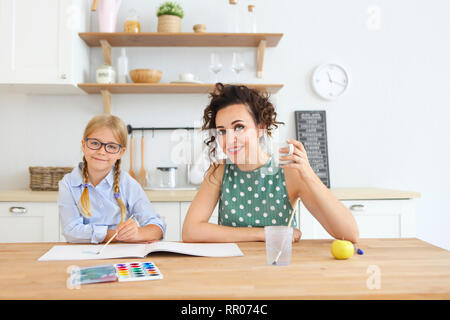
[(145, 75), (47, 178), (169, 23)]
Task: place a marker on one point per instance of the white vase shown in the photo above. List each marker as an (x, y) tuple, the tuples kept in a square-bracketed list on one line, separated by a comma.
[(107, 15), (122, 67)]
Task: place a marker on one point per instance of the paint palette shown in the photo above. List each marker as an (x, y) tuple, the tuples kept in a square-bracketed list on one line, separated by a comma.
[(137, 271)]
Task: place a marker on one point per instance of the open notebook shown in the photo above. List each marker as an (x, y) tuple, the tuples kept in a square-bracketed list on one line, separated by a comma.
[(125, 250)]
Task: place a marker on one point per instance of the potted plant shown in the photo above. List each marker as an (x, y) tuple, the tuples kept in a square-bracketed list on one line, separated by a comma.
[(169, 17)]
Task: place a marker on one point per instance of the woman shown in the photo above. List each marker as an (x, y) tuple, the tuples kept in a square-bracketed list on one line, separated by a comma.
[(251, 189)]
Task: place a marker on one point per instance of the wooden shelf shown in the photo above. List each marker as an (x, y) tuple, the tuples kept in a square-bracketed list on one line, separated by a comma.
[(182, 39), (260, 41), (151, 88)]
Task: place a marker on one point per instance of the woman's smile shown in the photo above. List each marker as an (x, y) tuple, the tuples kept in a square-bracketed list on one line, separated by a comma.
[(234, 150)]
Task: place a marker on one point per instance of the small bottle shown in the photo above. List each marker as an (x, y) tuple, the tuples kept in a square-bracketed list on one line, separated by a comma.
[(234, 23), (132, 23), (252, 18), (122, 67)]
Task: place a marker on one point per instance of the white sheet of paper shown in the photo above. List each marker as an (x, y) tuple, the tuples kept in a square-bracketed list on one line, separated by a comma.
[(124, 250), (87, 252), (197, 249)]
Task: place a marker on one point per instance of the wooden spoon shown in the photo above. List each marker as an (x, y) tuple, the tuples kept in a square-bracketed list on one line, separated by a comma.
[(94, 5), (131, 172), (142, 175)]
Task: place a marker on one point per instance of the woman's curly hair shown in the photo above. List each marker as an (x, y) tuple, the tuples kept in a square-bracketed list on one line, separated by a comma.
[(257, 102)]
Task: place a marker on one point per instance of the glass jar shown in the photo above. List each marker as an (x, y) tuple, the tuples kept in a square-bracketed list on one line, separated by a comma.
[(105, 74), (167, 177), (234, 20), (252, 19), (132, 23)]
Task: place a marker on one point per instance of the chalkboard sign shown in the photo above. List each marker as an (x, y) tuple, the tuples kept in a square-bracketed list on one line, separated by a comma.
[(311, 130)]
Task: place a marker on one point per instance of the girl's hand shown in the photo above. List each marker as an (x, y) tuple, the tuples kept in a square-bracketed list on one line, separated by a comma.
[(128, 231), (296, 235), (299, 158)]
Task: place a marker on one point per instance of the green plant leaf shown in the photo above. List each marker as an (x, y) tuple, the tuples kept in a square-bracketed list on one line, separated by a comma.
[(170, 8)]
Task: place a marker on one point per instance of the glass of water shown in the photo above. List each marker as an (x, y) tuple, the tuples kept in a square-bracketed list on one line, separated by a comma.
[(278, 245)]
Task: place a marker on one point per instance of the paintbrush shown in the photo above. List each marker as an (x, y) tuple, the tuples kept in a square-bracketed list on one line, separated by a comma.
[(284, 239), (115, 234)]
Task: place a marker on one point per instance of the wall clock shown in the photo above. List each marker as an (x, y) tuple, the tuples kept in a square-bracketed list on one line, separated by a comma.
[(330, 81)]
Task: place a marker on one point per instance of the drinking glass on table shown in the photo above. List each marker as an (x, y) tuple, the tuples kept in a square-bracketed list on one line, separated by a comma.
[(278, 245)]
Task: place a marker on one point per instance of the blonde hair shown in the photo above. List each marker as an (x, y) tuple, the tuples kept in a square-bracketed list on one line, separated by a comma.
[(119, 130)]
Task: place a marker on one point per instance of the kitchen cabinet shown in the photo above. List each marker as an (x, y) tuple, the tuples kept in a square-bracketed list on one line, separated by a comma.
[(184, 207), (380, 213), (29, 222), (170, 213), (379, 218), (42, 52)]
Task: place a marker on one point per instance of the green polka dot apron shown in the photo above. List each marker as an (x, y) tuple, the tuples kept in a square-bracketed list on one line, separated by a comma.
[(255, 198)]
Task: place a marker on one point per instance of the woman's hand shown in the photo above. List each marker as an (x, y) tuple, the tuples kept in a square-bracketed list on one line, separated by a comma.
[(296, 235), (128, 231), (299, 158)]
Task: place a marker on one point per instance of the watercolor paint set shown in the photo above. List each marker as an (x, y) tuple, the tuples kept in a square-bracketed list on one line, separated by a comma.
[(137, 271), (127, 271)]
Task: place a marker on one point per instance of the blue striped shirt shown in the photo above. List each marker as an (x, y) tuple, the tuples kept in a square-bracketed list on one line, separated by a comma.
[(104, 207)]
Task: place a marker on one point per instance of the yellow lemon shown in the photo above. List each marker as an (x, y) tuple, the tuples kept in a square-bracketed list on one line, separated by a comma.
[(342, 249)]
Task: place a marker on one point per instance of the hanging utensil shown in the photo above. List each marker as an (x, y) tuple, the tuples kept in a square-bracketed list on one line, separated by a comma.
[(131, 172), (94, 5), (142, 175)]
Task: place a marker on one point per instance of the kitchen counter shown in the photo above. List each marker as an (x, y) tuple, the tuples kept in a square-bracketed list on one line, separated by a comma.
[(52, 196), (365, 193), (389, 269)]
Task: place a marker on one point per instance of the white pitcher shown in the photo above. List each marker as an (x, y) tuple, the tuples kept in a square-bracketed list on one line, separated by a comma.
[(107, 15)]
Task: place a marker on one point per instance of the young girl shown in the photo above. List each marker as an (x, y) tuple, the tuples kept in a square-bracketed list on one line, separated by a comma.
[(97, 199), (251, 189)]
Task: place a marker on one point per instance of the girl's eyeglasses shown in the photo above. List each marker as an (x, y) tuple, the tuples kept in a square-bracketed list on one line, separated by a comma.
[(110, 147)]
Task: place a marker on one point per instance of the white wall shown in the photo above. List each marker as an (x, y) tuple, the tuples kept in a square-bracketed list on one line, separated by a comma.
[(390, 130)]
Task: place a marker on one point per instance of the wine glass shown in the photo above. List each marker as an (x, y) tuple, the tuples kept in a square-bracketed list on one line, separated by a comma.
[(237, 64), (215, 65)]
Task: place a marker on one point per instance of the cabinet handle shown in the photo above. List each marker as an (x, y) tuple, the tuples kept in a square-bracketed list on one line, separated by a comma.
[(18, 210), (357, 207)]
